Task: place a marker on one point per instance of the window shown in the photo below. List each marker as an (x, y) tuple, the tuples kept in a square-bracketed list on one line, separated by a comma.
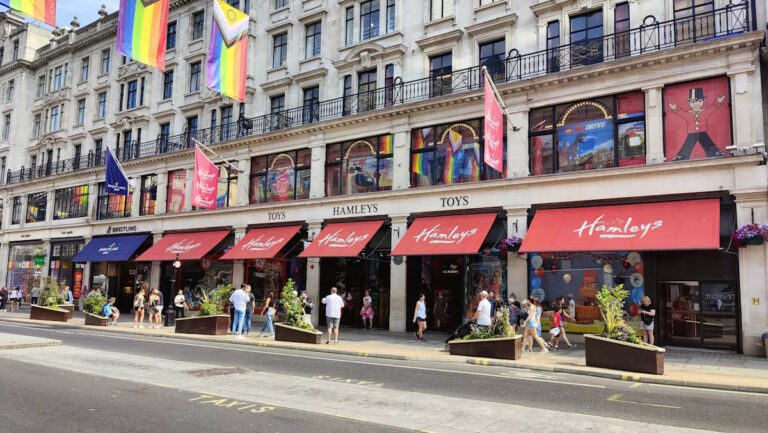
[(120, 98), (311, 104), (194, 77), (621, 30), (71, 202), (366, 90), (2, 55), (492, 56), (226, 195), (54, 119), (192, 126), (279, 4), (78, 156), (198, 24), (41, 86), (141, 92), (586, 38), (450, 153), (58, 80), (168, 84), (11, 89), (148, 194), (369, 19), (105, 61), (170, 37), (312, 42), (177, 189), (279, 49), (694, 20), (441, 9), (440, 68), (348, 100), (132, 87), (98, 146), (553, 44), (36, 127), (81, 111), (2, 170), (226, 123), (389, 83), (37, 204), (127, 141), (109, 206), (586, 135), (165, 132), (16, 49), (85, 63), (7, 127), (349, 28), (102, 105), (16, 210), (359, 166), (276, 106), (390, 16), (280, 177)]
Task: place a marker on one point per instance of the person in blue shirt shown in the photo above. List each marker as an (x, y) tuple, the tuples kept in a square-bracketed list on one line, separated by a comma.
[(110, 312), (70, 297)]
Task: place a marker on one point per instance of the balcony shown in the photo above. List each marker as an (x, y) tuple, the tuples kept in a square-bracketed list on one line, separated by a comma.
[(651, 36)]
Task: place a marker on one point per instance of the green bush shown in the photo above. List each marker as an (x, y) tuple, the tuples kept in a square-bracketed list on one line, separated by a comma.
[(611, 303), (52, 296), (216, 301), (292, 309), (501, 328), (93, 303)]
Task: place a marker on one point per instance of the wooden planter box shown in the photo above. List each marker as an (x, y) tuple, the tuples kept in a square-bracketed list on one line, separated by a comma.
[(208, 325), (39, 312), (500, 348), (69, 308), (94, 320), (296, 335), (617, 355)]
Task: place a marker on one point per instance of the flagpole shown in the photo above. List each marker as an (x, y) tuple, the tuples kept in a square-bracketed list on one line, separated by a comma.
[(217, 155), (496, 94)]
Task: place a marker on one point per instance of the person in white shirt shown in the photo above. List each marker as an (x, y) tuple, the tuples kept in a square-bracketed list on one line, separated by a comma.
[(483, 313), (180, 304), (239, 300), (420, 317), (333, 305)]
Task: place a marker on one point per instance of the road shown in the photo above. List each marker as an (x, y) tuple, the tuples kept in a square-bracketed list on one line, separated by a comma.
[(569, 396)]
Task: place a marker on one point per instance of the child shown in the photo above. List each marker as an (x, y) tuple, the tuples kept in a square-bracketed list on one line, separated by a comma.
[(554, 329), (110, 312)]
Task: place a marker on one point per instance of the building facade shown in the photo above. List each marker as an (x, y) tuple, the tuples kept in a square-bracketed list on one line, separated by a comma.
[(363, 129)]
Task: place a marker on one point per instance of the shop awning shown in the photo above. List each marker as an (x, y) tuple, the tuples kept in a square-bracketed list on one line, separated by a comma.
[(189, 246), (261, 243), (110, 248), (671, 225), (342, 239), (445, 235)]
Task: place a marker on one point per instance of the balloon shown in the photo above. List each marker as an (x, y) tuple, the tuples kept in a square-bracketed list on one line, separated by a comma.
[(536, 283), (567, 278), (539, 272), (636, 295), (625, 264), (538, 294), (639, 268), (634, 310), (554, 268), (608, 269)]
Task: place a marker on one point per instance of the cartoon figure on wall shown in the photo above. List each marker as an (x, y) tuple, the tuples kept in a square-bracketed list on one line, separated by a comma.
[(697, 113)]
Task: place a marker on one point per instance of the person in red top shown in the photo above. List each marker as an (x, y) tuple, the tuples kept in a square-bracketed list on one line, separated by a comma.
[(554, 328), (696, 119)]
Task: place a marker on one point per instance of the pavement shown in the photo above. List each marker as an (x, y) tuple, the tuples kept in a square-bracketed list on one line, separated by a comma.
[(688, 368)]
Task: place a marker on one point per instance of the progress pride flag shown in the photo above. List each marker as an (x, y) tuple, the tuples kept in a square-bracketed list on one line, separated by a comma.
[(494, 133), (205, 181)]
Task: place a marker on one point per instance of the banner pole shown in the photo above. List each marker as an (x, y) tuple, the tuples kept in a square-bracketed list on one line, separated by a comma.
[(217, 155)]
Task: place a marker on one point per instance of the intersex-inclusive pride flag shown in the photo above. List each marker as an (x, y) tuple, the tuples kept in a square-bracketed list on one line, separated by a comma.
[(41, 10), (141, 30), (205, 181), (228, 51)]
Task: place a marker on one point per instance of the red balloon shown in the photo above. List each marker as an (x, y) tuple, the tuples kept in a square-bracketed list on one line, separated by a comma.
[(639, 267), (539, 272), (634, 310), (554, 268), (625, 264)]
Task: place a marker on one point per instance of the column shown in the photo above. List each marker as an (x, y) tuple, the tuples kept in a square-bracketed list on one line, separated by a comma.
[(44, 272), (49, 207), (154, 273), (243, 181), (188, 192), (313, 272), (162, 194), (654, 125), (93, 201), (517, 264), (5, 221), (238, 269), (398, 310), (86, 276), (136, 200), (402, 158), (317, 181), (741, 110), (4, 251), (24, 203), (517, 144)]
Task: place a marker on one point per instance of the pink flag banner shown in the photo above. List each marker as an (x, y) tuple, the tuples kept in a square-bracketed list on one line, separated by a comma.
[(494, 132), (205, 181)]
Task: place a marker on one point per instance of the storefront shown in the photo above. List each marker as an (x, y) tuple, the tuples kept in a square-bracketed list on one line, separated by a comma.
[(355, 254), (62, 269), (456, 256), (111, 267), (669, 251), (25, 265)]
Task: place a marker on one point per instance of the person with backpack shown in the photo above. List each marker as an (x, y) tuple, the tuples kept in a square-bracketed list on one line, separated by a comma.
[(13, 299), (138, 309)]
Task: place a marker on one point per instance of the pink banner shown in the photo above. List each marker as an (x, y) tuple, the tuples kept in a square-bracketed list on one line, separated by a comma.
[(205, 181), (494, 131)]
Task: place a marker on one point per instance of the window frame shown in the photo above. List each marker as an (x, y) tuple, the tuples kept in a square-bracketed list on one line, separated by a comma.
[(105, 202), (170, 38), (198, 25), (168, 84), (41, 200), (195, 69), (71, 202), (344, 148), (373, 16), (147, 205), (257, 178), (313, 39), (279, 50)]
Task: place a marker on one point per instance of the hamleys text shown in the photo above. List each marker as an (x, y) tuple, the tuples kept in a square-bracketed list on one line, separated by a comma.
[(336, 240), (627, 230), (436, 236)]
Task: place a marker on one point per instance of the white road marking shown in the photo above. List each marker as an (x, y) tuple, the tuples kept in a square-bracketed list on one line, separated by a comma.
[(615, 398)]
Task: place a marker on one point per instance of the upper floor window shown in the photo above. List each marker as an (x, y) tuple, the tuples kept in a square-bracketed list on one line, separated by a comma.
[(192, 125), (492, 56), (279, 4), (440, 9), (37, 204), (694, 20), (7, 126), (366, 90), (450, 153), (58, 80), (148, 194), (583, 135), (81, 111), (349, 26), (85, 64), (194, 77), (390, 16), (369, 19), (16, 49), (41, 86), (359, 166), (177, 189), (170, 37), (586, 38), (132, 89), (553, 44), (11, 89), (311, 104), (102, 105), (276, 106), (621, 29), (168, 84), (312, 40), (36, 126), (227, 128), (105, 58), (198, 24), (2, 55), (279, 49), (280, 177), (16, 210), (347, 95), (226, 195), (440, 69), (71, 202), (109, 206), (54, 119)]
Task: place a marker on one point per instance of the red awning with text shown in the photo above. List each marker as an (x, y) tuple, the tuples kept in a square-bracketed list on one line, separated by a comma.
[(671, 225), (445, 235), (342, 239), (188, 246), (261, 243)]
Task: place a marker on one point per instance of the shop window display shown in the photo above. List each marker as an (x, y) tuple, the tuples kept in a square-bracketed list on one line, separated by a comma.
[(37, 204), (177, 188), (63, 270), (359, 166), (226, 195), (280, 177), (113, 205), (25, 264)]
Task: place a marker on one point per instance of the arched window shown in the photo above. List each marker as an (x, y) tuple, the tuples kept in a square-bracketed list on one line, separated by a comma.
[(585, 137), (359, 166), (280, 177)]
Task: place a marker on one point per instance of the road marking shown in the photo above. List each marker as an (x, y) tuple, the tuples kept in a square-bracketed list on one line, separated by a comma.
[(481, 361), (635, 385), (227, 403), (627, 377), (350, 381), (615, 398)]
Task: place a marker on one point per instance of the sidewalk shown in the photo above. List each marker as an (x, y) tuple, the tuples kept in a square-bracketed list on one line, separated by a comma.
[(713, 370)]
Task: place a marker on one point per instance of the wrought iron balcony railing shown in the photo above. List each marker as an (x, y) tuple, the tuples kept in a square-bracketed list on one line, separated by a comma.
[(652, 36)]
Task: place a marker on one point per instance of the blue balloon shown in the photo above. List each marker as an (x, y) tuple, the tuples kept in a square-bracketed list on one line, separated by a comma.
[(535, 283), (637, 295)]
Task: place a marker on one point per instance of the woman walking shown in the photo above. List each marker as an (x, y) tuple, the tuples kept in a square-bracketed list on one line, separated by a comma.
[(138, 308), (13, 299), (154, 307), (270, 308), (3, 298), (420, 317), (440, 310), (647, 314), (531, 325), (367, 311)]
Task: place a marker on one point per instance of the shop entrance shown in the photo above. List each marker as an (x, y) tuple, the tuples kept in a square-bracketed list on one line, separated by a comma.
[(700, 314), (357, 275)]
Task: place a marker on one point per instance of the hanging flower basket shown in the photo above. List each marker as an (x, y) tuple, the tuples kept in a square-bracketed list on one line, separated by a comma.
[(510, 244), (751, 234)]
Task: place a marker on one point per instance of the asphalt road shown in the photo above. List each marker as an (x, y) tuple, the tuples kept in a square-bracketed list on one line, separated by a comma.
[(674, 406), (49, 400)]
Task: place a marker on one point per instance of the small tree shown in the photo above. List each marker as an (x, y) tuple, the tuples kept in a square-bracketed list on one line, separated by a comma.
[(611, 303), (216, 301), (51, 296), (94, 302), (292, 308)]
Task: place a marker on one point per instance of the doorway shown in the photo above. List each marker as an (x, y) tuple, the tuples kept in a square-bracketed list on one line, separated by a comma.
[(358, 275)]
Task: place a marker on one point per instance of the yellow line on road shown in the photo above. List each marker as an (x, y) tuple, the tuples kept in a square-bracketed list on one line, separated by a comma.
[(615, 398)]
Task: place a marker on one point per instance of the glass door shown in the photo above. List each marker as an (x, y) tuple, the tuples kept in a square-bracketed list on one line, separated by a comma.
[(719, 325), (681, 311), (700, 314)]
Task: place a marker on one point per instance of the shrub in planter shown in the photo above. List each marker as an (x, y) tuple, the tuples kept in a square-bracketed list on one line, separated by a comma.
[(52, 296), (92, 305), (293, 328), (497, 341), (210, 319)]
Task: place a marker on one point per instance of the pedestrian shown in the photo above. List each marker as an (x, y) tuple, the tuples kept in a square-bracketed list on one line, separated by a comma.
[(13, 298), (3, 298), (531, 332), (154, 302), (483, 314), (647, 316), (270, 308), (367, 311), (555, 328), (440, 309), (514, 301), (514, 314), (333, 305), (110, 312), (35, 295), (160, 304), (240, 300), (537, 303), (565, 316), (70, 295), (138, 308), (180, 304), (571, 307), (492, 300), (249, 309), (420, 317), (307, 306)]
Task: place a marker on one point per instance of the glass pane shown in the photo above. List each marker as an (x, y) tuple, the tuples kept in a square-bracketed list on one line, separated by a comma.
[(259, 165), (258, 189), (681, 311), (422, 164), (303, 184), (359, 168), (630, 105), (333, 153), (304, 158), (386, 144), (280, 184), (385, 174), (719, 325), (541, 119), (333, 180), (631, 143), (422, 138), (542, 154)]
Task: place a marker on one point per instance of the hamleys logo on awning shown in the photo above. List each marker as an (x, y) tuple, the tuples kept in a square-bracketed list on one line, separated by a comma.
[(261, 244), (182, 246), (337, 240), (438, 235), (620, 228)]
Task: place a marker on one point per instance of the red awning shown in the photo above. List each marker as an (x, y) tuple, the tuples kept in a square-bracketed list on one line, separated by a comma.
[(189, 246), (261, 243), (672, 225), (342, 239), (445, 235)]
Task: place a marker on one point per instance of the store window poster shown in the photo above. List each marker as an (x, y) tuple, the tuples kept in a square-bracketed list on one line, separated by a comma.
[(585, 145), (697, 119)]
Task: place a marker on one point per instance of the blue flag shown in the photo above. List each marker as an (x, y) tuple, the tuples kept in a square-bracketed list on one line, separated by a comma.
[(116, 181)]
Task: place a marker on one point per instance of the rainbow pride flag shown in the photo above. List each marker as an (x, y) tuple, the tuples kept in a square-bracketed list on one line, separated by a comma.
[(41, 10), (228, 51), (141, 30)]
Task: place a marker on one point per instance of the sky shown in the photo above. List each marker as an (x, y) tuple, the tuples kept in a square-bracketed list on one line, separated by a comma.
[(86, 11)]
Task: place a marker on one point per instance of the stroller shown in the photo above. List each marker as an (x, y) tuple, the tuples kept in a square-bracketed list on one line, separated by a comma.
[(463, 330)]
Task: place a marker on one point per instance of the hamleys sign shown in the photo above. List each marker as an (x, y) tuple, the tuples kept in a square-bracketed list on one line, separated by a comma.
[(444, 235), (342, 239), (182, 247), (450, 234), (621, 228)]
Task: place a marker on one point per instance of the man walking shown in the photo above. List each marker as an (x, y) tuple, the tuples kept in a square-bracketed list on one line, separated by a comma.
[(333, 305), (35, 295), (239, 300), (249, 309), (483, 313)]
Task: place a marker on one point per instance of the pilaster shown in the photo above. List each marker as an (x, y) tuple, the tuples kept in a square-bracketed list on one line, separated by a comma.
[(517, 264), (402, 157), (313, 272), (317, 167), (654, 125), (398, 276)]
